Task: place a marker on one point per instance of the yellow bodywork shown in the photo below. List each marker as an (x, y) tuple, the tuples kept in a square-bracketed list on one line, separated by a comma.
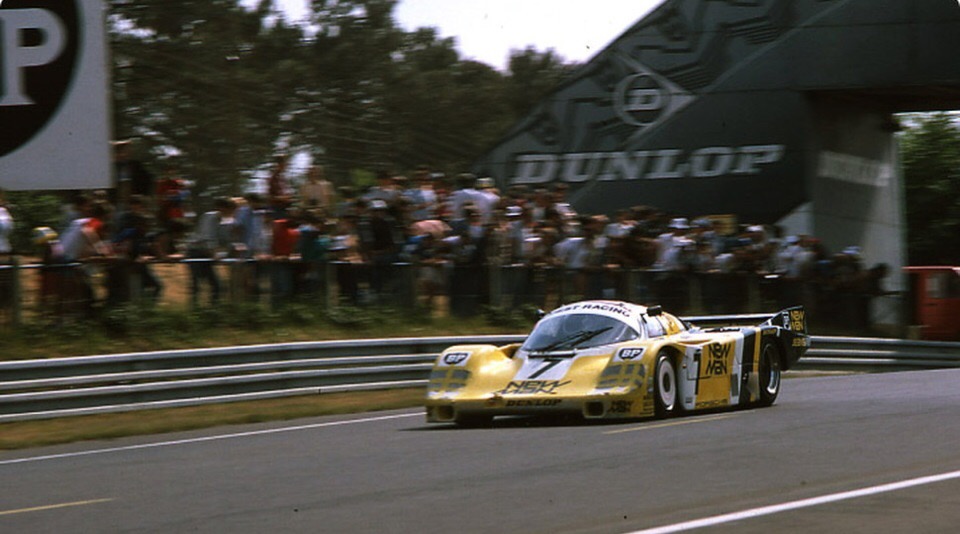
[(708, 369), (612, 384), (596, 385)]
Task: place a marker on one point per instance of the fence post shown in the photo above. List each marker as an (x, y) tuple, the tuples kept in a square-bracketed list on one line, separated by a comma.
[(330, 274), (695, 288), (16, 309), (407, 291), (753, 293), (134, 279), (495, 284)]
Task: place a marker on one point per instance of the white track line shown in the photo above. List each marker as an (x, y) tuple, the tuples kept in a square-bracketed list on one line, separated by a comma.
[(209, 438), (795, 505), (53, 507)]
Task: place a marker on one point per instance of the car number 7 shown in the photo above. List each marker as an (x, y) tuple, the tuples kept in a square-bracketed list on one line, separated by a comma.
[(548, 363)]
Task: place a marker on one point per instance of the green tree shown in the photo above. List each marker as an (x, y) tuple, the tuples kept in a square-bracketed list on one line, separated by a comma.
[(29, 210), (207, 81), (533, 75), (340, 102), (930, 149), (443, 110), (224, 88)]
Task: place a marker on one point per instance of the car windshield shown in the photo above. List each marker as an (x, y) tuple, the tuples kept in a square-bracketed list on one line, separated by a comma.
[(577, 331)]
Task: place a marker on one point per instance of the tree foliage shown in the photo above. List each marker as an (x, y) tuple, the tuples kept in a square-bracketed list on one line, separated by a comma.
[(533, 75), (206, 82), (29, 210), (223, 88), (930, 149)]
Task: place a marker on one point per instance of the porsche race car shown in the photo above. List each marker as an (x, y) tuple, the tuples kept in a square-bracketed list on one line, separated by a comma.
[(616, 360)]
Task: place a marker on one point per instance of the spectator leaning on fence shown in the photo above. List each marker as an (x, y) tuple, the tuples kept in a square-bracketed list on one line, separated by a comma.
[(278, 191), (6, 228), (132, 241), (380, 245), (173, 195), (131, 177), (345, 249), (421, 196), (317, 191), (54, 288), (385, 189), (6, 276), (533, 239), (282, 269), (313, 242), (211, 240), (84, 242)]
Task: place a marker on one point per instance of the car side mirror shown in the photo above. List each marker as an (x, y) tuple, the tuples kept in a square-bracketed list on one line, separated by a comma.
[(541, 314)]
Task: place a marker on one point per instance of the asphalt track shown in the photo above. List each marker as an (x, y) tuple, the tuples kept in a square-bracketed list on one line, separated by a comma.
[(861, 453)]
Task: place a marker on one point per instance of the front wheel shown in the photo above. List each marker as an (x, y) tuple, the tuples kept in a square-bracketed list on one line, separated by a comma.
[(665, 388), (769, 373)]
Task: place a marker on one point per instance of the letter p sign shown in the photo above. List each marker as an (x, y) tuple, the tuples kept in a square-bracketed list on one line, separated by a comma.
[(30, 38), (39, 49)]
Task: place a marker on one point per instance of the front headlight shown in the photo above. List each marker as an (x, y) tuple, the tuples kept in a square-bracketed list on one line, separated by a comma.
[(447, 381)]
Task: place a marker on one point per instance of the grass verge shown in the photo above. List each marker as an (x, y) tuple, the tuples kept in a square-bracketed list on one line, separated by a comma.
[(152, 328), (27, 434), (147, 328)]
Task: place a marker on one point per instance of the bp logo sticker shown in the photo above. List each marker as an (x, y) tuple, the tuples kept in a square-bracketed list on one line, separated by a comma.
[(39, 42), (630, 354), (455, 358)]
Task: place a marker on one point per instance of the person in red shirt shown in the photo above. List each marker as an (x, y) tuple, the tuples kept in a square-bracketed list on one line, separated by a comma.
[(278, 191), (285, 260), (171, 197)]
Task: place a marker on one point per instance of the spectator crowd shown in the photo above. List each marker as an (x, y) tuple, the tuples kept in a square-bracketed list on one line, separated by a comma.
[(429, 235)]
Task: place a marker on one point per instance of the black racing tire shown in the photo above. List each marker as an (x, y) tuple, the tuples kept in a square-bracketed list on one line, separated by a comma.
[(769, 372), (472, 420), (665, 387)]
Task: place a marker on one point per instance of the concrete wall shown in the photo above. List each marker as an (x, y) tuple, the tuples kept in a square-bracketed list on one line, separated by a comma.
[(856, 188)]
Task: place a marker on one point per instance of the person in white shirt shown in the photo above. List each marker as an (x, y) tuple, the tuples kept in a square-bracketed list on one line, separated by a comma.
[(486, 199), (465, 194), (422, 197), (317, 191), (211, 240), (670, 245)]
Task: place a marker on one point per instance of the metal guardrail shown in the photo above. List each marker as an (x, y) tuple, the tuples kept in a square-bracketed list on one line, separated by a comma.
[(42, 389), (875, 354), (86, 385)]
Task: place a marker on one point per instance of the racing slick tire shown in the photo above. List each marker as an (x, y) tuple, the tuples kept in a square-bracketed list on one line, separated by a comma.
[(769, 372), (665, 387)]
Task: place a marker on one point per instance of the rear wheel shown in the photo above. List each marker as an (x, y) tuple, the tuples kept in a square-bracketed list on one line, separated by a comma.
[(769, 373), (665, 388)]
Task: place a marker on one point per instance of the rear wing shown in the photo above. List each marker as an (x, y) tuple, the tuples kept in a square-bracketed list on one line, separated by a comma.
[(792, 333), (783, 319), (792, 319), (789, 326)]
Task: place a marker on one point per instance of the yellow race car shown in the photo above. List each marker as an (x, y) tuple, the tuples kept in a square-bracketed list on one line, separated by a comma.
[(615, 360)]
